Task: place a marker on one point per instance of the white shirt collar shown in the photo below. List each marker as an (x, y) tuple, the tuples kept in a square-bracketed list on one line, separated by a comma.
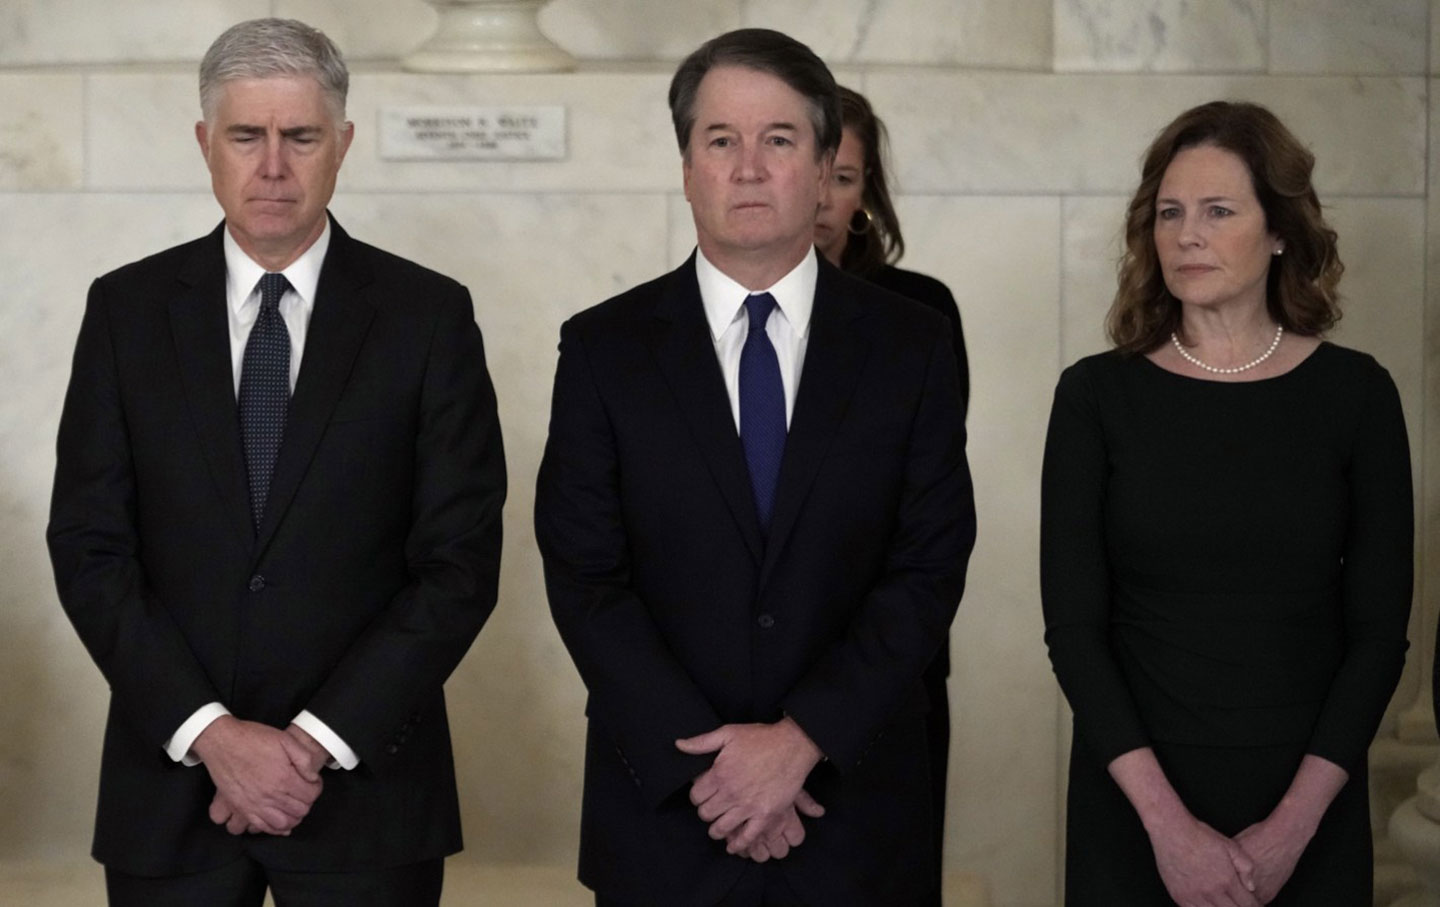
[(242, 272), (723, 298)]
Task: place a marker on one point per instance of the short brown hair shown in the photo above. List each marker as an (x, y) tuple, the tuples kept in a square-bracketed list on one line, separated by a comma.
[(875, 238), (767, 51), (1301, 286)]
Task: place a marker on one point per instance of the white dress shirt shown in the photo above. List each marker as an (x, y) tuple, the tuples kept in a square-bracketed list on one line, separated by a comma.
[(242, 298), (788, 327)]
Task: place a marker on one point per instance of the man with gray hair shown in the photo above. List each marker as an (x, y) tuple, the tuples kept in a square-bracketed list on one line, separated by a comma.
[(276, 522)]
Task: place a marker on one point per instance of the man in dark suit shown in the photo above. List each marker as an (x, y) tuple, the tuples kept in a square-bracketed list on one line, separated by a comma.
[(755, 515), (276, 522)]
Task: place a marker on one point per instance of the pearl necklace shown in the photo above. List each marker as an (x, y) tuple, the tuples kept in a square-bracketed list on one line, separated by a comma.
[(1185, 354)]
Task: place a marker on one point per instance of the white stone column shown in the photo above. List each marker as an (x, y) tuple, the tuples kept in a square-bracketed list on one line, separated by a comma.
[(488, 36), (1415, 830)]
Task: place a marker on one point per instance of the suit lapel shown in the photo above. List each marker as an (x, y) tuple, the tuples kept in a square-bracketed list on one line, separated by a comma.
[(338, 325), (201, 332), (834, 357), (685, 353)]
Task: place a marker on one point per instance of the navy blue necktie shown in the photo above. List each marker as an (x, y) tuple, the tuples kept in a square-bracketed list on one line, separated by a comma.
[(264, 392), (762, 407)]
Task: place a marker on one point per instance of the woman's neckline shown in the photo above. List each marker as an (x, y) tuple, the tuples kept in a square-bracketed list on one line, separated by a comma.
[(1280, 377)]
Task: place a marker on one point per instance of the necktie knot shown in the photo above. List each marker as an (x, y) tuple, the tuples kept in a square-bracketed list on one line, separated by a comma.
[(759, 307), (272, 287)]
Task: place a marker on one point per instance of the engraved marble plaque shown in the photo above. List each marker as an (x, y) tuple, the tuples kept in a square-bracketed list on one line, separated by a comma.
[(502, 133)]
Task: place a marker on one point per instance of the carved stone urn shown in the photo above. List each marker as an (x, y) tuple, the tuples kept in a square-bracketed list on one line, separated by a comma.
[(1415, 829), (488, 36)]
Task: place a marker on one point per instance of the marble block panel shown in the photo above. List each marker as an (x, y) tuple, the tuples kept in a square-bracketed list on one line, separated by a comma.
[(366, 29), (1000, 257), (680, 240), (1434, 36), (619, 134), (530, 262), (41, 131), (636, 29), (1341, 36), (1428, 576), (1159, 36), (996, 33), (51, 246), (967, 132), (1093, 240), (618, 130), (115, 31), (140, 129)]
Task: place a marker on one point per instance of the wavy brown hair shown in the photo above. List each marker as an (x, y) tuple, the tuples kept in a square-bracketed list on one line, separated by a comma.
[(1301, 286), (874, 239)]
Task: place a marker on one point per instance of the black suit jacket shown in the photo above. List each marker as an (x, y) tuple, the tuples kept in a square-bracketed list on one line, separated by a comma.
[(682, 615), (374, 568)]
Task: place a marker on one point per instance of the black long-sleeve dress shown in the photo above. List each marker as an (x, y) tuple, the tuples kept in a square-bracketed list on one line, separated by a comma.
[(1226, 577)]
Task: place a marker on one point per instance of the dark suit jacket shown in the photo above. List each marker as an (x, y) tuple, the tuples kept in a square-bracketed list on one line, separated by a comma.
[(681, 615), (374, 568), (934, 295)]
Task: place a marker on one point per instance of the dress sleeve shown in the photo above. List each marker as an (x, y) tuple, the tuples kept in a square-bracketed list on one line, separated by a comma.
[(1377, 578), (1075, 572)]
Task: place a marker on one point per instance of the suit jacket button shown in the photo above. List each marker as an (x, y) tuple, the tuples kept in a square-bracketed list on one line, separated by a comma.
[(393, 748), (257, 582), (765, 621)]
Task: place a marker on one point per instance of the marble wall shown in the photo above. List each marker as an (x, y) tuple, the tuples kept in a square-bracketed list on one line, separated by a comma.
[(1017, 126)]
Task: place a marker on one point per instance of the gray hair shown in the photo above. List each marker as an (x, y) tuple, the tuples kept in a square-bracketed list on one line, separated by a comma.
[(264, 48)]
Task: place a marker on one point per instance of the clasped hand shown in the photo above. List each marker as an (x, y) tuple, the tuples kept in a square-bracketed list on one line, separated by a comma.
[(752, 796), (1203, 868), (265, 779)]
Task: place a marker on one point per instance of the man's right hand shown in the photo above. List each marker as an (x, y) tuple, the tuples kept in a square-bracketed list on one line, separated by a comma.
[(263, 778), (791, 833)]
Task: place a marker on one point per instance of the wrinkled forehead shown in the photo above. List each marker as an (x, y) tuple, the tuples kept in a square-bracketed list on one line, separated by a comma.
[(740, 95), (291, 97)]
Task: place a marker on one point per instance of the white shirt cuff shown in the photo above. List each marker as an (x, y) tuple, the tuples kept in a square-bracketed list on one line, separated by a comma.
[(342, 756), (178, 746)]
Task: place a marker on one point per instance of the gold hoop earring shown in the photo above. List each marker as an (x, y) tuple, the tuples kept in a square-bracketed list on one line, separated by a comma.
[(869, 223)]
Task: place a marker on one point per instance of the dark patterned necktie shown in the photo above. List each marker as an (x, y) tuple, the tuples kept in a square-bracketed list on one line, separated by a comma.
[(762, 407), (264, 392)]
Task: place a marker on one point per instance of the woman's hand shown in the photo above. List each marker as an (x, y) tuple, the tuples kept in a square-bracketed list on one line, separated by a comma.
[(1276, 843), (1201, 867), (1274, 849)]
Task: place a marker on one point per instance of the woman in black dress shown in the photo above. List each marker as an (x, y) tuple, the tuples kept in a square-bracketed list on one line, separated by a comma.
[(856, 229), (1226, 544)]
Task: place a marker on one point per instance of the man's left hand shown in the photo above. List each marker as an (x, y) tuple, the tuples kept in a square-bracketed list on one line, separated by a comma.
[(749, 794), (305, 753)]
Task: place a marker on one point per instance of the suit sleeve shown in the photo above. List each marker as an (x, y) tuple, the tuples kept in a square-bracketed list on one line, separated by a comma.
[(94, 545), (639, 692), (1376, 582), (1075, 572), (945, 301), (851, 693), (452, 549)]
